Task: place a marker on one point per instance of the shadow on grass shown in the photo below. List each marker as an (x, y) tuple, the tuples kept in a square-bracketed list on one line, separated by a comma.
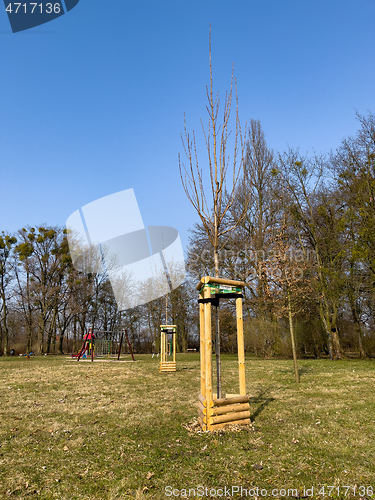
[(304, 369), (301, 370), (263, 398)]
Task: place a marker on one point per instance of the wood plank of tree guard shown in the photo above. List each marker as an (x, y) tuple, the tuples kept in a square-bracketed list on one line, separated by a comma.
[(230, 417), (202, 399), (231, 400), (164, 368), (222, 410), (200, 414), (245, 421), (202, 408), (219, 281)]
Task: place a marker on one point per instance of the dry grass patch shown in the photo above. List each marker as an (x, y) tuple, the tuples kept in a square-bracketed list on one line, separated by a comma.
[(122, 431)]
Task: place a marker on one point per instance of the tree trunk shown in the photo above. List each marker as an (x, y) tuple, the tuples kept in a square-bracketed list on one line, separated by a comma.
[(183, 339), (41, 328), (29, 331), (1, 339), (296, 373), (61, 339), (329, 322), (54, 338), (6, 335), (335, 335), (52, 329), (217, 335), (5, 325), (327, 328), (75, 334), (29, 316), (336, 343), (357, 324)]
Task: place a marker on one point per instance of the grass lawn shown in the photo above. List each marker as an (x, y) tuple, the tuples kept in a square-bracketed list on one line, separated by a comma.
[(111, 430)]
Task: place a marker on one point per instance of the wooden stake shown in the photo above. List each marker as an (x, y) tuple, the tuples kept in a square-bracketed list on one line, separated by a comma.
[(162, 346), (240, 347), (208, 348), (174, 347), (202, 347), (92, 345)]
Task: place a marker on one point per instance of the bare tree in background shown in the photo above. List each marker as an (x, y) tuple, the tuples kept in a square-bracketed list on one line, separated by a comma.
[(213, 213)]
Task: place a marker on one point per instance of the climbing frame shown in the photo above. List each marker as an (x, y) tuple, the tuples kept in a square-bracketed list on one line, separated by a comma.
[(214, 413)]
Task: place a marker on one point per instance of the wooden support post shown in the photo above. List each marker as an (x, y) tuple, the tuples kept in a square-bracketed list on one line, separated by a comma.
[(208, 350), (129, 345), (162, 346), (119, 349), (174, 347), (240, 347), (202, 347)]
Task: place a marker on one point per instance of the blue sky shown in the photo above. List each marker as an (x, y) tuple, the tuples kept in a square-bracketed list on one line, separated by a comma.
[(93, 102)]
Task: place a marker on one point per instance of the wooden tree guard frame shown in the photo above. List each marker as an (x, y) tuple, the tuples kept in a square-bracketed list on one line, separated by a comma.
[(165, 365), (234, 408)]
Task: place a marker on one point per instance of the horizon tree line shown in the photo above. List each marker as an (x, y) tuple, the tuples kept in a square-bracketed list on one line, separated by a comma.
[(298, 230)]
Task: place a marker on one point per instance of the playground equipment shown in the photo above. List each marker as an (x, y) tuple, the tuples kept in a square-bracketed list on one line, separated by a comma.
[(214, 413), (125, 333), (167, 348), (100, 347)]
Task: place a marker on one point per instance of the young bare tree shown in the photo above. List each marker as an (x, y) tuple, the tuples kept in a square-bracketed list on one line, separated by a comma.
[(290, 276), (7, 244), (213, 213)]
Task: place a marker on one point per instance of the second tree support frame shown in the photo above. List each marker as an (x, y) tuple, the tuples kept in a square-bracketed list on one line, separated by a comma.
[(165, 365)]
